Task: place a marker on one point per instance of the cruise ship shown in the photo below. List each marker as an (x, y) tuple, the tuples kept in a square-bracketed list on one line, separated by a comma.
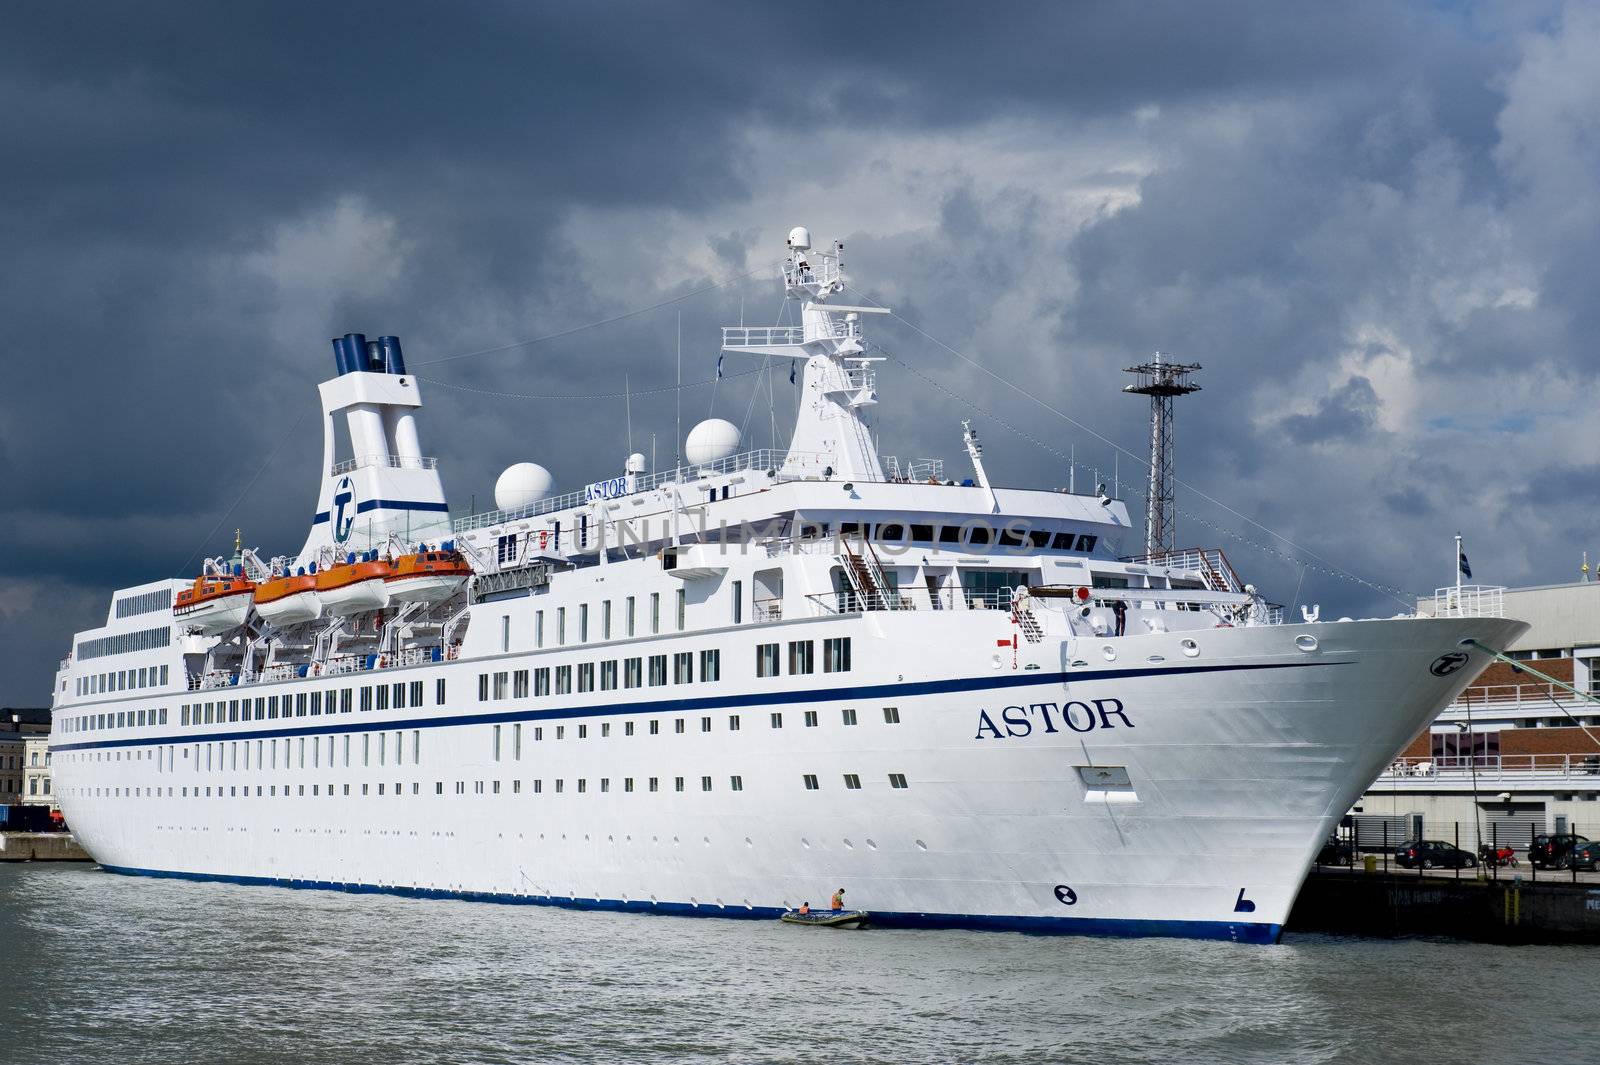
[(737, 685)]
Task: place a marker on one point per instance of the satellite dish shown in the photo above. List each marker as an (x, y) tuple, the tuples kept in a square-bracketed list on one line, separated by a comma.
[(522, 485), (711, 441)]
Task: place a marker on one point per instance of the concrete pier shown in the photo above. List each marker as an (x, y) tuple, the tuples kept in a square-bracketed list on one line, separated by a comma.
[(40, 847), (1390, 905)]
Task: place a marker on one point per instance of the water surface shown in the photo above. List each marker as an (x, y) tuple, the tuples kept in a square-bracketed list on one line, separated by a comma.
[(103, 968)]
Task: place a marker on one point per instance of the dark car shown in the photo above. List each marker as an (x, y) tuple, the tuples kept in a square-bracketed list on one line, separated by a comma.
[(1335, 852), (1432, 854), (1585, 856), (1550, 851)]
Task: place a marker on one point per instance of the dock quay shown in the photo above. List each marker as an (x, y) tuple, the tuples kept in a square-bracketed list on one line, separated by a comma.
[(1395, 904), (41, 847)]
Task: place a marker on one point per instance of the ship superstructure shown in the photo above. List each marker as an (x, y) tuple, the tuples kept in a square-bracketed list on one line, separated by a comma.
[(732, 686)]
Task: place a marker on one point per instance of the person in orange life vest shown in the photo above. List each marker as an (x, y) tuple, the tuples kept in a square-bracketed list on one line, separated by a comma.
[(805, 907), (838, 899)]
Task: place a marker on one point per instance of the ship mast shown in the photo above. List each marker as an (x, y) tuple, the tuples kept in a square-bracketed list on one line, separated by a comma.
[(838, 383)]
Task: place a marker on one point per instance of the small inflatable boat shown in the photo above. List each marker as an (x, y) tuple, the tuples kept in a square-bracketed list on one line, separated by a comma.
[(827, 918)]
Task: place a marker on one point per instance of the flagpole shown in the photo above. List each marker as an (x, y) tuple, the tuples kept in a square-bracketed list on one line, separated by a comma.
[(1458, 571)]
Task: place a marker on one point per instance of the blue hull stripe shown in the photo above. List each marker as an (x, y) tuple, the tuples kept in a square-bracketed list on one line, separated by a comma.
[(1241, 932), (385, 504), (865, 692)]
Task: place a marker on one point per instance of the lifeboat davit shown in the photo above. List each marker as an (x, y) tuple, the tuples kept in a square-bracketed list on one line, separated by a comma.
[(428, 576), (354, 587), (215, 604), (289, 600)]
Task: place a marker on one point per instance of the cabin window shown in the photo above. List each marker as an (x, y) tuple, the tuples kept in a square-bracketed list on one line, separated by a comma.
[(655, 613), (497, 743), (483, 692), (801, 658), (849, 715), (608, 675), (777, 720), (583, 623), (563, 680), (658, 670), (677, 783), (541, 681), (505, 632), (605, 620), (738, 602), (897, 780), (767, 660), (632, 611), (633, 672), (519, 684), (811, 719), (683, 667), (678, 726), (683, 609), (586, 676), (438, 695), (852, 782), (538, 628), (501, 686), (836, 654), (711, 665), (561, 626), (891, 715), (416, 695), (810, 780)]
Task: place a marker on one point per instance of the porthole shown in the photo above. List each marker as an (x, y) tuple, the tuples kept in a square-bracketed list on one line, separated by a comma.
[(921, 846), (871, 845), (1156, 659), (1110, 653), (1306, 642), (747, 842), (806, 843), (1190, 648), (849, 846)]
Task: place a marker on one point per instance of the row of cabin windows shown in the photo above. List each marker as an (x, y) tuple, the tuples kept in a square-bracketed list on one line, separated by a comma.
[(976, 535), (123, 680), (581, 629), (507, 740), (397, 696), (113, 719), (802, 658), (852, 782), (558, 680), (296, 752)]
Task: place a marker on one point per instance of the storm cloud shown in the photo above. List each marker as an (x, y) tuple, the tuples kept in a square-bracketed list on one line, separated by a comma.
[(1374, 225)]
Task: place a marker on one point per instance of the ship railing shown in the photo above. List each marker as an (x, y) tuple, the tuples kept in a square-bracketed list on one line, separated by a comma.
[(1537, 694), (798, 463), (851, 380), (393, 462), (1491, 767), (847, 601), (770, 609), (762, 336), (1467, 601)]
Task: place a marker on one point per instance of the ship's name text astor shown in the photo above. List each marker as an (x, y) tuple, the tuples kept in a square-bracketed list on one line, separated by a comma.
[(1021, 721)]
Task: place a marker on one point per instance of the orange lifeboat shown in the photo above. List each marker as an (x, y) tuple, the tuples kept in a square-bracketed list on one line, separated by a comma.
[(355, 586), (289, 599), (215, 603), (427, 576)]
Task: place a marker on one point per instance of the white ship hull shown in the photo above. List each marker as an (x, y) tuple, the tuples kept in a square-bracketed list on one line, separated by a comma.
[(424, 588), (215, 616), (292, 609), (358, 597), (1240, 758)]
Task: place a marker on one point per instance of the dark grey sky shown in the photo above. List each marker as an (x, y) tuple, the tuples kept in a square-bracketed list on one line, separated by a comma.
[(1376, 225)]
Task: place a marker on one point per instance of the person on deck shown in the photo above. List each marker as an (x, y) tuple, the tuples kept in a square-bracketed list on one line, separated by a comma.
[(805, 907), (838, 899), (1120, 609)]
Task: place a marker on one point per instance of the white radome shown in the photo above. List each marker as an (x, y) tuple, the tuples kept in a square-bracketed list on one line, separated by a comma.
[(522, 484), (711, 440)]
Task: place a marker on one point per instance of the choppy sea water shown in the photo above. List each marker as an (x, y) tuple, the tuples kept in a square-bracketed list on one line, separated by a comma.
[(103, 968)]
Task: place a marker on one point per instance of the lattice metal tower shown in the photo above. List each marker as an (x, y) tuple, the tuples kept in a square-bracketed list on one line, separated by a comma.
[(1161, 381)]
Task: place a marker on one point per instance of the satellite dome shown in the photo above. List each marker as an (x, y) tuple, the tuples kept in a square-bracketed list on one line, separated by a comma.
[(522, 484), (711, 440), (800, 238), (635, 463)]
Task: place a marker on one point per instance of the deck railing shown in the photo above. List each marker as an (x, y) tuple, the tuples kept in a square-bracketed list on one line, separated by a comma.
[(1490, 767)]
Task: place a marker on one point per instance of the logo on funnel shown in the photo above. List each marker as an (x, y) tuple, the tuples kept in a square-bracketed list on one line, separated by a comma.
[(344, 510)]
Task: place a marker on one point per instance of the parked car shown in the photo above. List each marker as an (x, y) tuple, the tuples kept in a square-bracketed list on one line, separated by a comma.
[(1432, 854), (1550, 851), (1585, 856), (1335, 852)]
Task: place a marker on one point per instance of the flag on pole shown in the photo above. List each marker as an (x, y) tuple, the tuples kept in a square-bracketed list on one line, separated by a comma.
[(791, 372), (1462, 563), (719, 367)]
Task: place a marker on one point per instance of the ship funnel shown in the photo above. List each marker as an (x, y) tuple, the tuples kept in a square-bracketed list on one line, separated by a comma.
[(350, 353), (393, 361)]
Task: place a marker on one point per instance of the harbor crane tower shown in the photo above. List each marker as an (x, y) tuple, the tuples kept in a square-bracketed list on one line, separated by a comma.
[(1161, 380)]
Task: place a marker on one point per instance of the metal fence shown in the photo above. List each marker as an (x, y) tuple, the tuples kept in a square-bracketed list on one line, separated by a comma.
[(1489, 849)]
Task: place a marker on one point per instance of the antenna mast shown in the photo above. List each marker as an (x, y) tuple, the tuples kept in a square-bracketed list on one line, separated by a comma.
[(1161, 381)]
